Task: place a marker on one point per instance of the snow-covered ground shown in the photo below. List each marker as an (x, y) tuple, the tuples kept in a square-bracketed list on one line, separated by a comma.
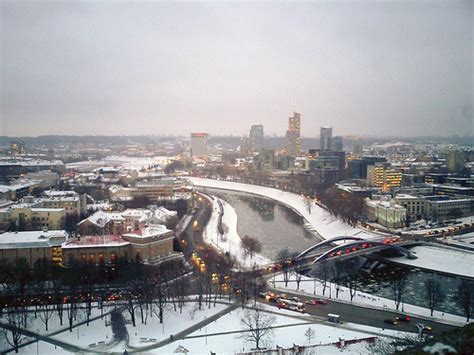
[(230, 241), (292, 331), (327, 226), (447, 260), (173, 322), (286, 336), (310, 286)]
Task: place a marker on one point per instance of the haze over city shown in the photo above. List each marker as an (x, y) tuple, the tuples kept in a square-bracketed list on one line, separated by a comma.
[(124, 68)]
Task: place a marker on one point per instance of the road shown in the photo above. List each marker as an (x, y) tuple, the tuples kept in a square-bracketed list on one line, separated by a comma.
[(363, 315)]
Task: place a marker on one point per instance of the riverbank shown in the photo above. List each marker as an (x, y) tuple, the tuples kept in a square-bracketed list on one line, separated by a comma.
[(230, 240), (326, 225)]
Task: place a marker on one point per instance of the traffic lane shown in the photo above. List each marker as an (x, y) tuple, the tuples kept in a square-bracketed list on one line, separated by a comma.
[(366, 316), (188, 235)]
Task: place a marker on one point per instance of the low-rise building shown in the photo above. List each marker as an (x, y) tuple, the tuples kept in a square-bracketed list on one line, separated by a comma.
[(386, 213), (32, 245), (150, 244), (37, 218), (415, 206), (441, 208), (70, 201)]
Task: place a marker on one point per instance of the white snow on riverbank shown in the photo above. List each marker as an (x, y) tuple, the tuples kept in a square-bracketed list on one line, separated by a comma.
[(458, 262), (230, 241), (327, 226), (309, 287)]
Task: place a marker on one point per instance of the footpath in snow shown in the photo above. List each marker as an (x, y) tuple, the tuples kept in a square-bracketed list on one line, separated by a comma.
[(320, 220)]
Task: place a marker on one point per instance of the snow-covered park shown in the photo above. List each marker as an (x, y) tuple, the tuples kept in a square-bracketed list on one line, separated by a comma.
[(205, 334)]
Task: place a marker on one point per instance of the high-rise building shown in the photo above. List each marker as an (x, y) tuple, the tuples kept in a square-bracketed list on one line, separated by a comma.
[(337, 144), (199, 145), (256, 137), (325, 138), (293, 135), (382, 175)]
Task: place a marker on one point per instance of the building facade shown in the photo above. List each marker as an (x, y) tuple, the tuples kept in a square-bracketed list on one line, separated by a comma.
[(256, 138), (293, 135), (325, 138), (199, 145)]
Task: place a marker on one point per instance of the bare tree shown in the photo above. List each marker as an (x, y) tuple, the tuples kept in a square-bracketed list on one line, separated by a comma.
[(251, 245), (282, 256), (322, 272), (433, 293), (15, 321), (257, 325), (465, 297), (308, 203), (309, 334), (398, 287), (46, 313)]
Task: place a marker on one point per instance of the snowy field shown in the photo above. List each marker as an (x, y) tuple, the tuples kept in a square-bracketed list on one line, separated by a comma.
[(230, 241), (290, 330), (153, 331), (458, 262), (320, 220), (309, 286)]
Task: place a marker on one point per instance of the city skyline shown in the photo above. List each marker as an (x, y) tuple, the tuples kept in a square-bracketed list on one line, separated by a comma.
[(383, 69)]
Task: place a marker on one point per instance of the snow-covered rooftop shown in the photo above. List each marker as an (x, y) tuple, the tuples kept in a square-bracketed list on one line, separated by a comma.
[(29, 239)]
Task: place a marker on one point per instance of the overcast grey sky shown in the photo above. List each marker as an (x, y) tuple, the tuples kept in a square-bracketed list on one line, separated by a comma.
[(365, 68)]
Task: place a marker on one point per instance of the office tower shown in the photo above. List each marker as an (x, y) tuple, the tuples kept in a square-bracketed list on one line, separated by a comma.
[(325, 138), (199, 145), (382, 175), (337, 144), (293, 135), (256, 137)]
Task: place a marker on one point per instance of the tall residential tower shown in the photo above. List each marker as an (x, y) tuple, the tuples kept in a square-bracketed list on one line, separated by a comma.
[(293, 135)]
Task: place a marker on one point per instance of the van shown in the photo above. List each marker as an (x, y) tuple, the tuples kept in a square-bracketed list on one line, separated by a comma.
[(334, 318)]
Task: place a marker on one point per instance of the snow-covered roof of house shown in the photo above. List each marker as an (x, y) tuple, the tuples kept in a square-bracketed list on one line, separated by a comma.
[(152, 230), (101, 218), (56, 193), (29, 239), (163, 214), (92, 241), (139, 214)]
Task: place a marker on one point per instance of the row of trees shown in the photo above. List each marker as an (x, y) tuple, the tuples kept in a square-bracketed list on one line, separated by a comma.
[(348, 207), (344, 272), (46, 291)]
